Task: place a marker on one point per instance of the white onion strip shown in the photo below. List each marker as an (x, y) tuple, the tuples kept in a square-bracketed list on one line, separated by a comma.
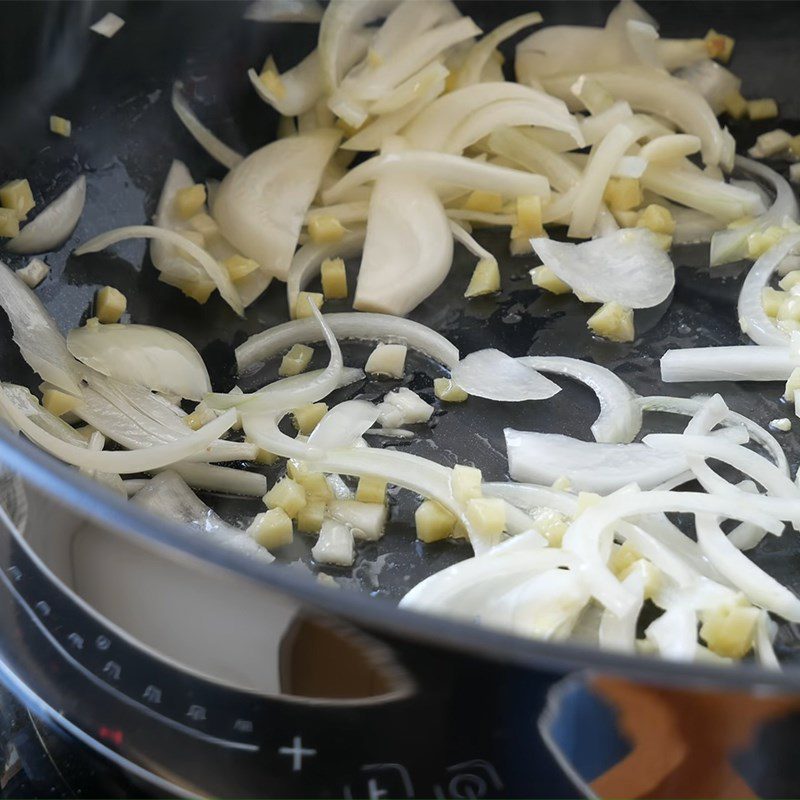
[(733, 363), (54, 224), (222, 479), (218, 274), (217, 149), (496, 376), (382, 327)]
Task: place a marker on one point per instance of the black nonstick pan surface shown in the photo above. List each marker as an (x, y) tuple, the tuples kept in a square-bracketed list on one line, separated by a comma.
[(124, 136)]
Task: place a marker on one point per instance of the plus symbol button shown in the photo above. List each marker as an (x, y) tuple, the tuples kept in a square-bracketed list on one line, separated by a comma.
[(297, 752)]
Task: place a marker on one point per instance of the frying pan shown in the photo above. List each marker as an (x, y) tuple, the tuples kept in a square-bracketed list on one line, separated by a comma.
[(116, 92)]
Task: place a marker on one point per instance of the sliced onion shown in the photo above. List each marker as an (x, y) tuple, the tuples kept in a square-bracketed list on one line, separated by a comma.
[(627, 267), (30, 406), (442, 167), (759, 587), (667, 148), (168, 496), (589, 466), (435, 125), (464, 238), (674, 633), (262, 430), (308, 259), (712, 80), (620, 416), (689, 406), (222, 479), (283, 11), (530, 497), (260, 205), (480, 53), (496, 376), (215, 272), (619, 633), (54, 224), (126, 462), (343, 425), (753, 320), (36, 334), (218, 150), (372, 327), (408, 248), (733, 363), (155, 358), (302, 86)]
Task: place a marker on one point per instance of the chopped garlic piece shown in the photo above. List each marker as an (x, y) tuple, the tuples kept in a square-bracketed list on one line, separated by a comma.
[(623, 194), (789, 308), (649, 574), (735, 104), (387, 359), (448, 391), (9, 222), (626, 219), (313, 482), (529, 218), (334, 279), (309, 518), (325, 229), (205, 224), (792, 384), (199, 291), (366, 520), (487, 516), (273, 83), (782, 424), (307, 417), (771, 300), (551, 524), (58, 402), (729, 631), (614, 322), (371, 490), (286, 494), (790, 280), (201, 415), (335, 544), (265, 457), (622, 557), (433, 521), (465, 483), (486, 202), (17, 195), (301, 306), (190, 201), (295, 361), (327, 580), (719, 46), (34, 273), (657, 218), (546, 279), (108, 25), (485, 279), (759, 242), (403, 407), (663, 241), (272, 528), (770, 143), (764, 108), (239, 267), (110, 304), (61, 126)]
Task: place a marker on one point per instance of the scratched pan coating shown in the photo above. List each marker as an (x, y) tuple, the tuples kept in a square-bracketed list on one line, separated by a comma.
[(116, 92)]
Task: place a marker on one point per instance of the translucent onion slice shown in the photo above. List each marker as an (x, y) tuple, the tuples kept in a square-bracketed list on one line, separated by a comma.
[(30, 406), (217, 149), (674, 633), (480, 53), (530, 497), (168, 496), (760, 588), (222, 479), (444, 168), (218, 274), (144, 460), (753, 320), (343, 425), (667, 148), (620, 416), (308, 259), (627, 267), (370, 327), (261, 204), (411, 90), (301, 87), (36, 334), (589, 466), (619, 633), (54, 224), (408, 248), (733, 363), (712, 80), (496, 376), (152, 357)]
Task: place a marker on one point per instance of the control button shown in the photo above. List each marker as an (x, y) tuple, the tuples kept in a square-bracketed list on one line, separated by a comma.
[(243, 726), (196, 713), (383, 780), (43, 608), (152, 694), (102, 642), (76, 640), (297, 752), (112, 670), (15, 573), (469, 779)]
